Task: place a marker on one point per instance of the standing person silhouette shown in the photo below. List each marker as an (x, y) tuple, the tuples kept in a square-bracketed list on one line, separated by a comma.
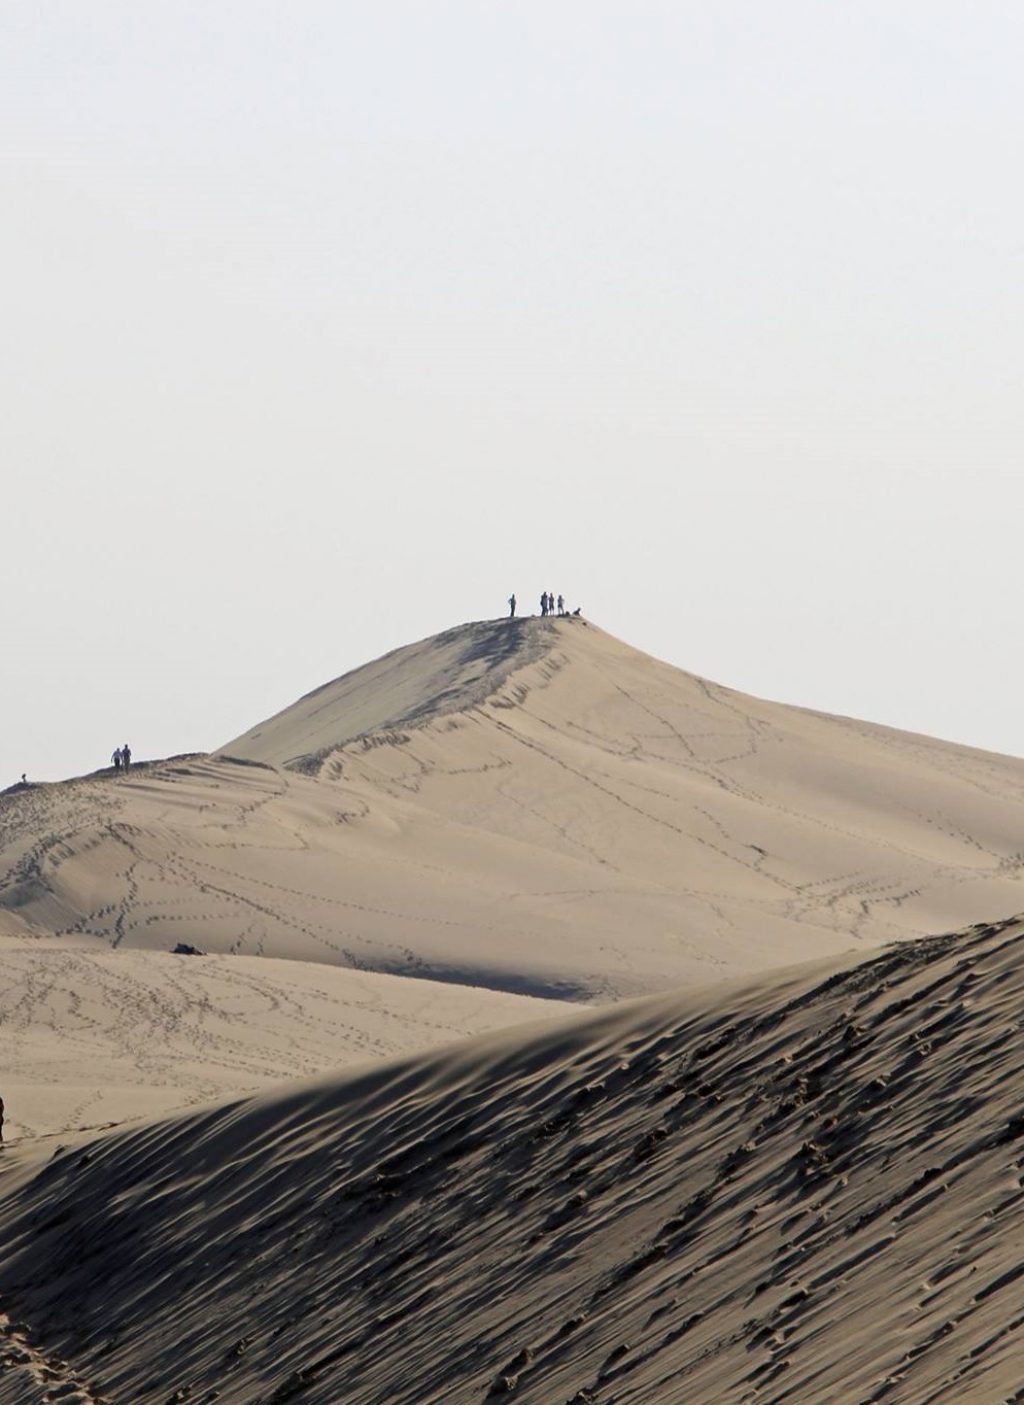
[(544, 604), (512, 606), (561, 605), (116, 759), (126, 757)]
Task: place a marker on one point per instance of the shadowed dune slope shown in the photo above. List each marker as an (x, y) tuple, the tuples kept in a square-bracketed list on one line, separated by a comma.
[(533, 807), (449, 672), (809, 1190)]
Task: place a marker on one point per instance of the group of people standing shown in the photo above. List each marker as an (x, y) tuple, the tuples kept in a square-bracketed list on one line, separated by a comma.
[(122, 759), (548, 606)]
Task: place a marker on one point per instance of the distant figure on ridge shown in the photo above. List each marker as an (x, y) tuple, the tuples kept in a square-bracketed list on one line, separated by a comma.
[(561, 605), (544, 604), (512, 606), (126, 757), (116, 759), (1, 1121)]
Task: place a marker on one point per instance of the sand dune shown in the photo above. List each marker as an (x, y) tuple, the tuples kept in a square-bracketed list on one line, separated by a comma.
[(782, 1183), (534, 808), (807, 1189), (510, 810)]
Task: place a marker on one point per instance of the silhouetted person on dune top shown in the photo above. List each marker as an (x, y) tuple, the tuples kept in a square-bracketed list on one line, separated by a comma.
[(116, 759), (561, 605), (544, 605), (1, 1120), (126, 757), (511, 607)]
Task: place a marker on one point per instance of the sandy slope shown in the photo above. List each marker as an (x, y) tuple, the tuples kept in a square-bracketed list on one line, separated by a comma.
[(533, 807), (94, 1036), (450, 672), (805, 1190)]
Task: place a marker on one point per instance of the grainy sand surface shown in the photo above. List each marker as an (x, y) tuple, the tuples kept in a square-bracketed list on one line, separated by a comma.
[(803, 1189), (795, 1178)]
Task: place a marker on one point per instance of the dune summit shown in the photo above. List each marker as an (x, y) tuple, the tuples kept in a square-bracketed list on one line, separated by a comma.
[(648, 801)]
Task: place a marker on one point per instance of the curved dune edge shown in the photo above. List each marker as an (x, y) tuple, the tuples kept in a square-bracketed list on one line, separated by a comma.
[(809, 1188)]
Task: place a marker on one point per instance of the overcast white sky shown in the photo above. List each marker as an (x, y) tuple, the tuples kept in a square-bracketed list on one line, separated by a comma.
[(326, 325)]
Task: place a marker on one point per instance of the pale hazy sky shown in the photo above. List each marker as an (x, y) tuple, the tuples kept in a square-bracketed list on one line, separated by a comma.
[(327, 325)]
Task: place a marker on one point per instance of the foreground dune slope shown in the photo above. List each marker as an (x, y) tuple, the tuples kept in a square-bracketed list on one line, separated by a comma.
[(804, 1191), (534, 807)]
